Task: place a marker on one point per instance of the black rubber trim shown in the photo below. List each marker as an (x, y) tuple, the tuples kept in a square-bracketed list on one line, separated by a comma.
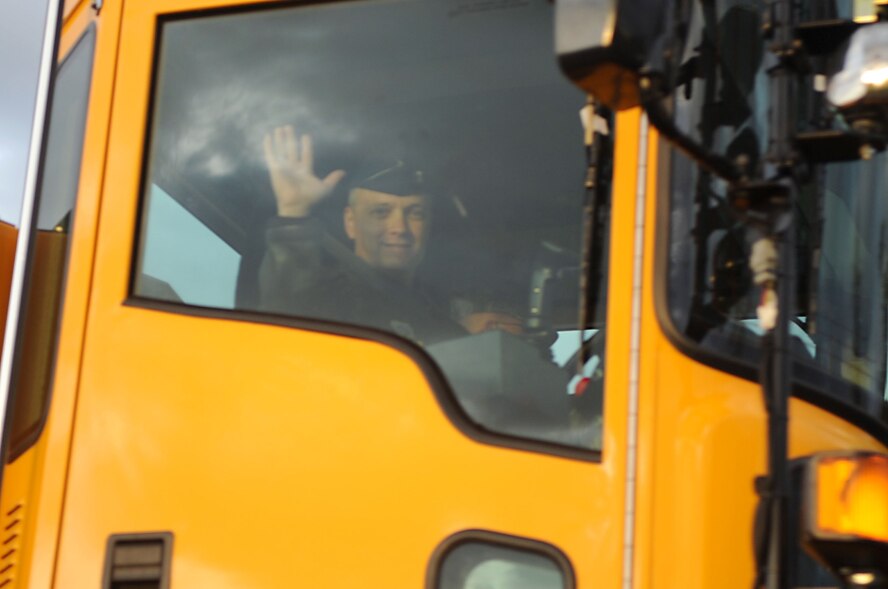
[(437, 381), (12, 449), (697, 352), (144, 179), (539, 547), (114, 540), (822, 398), (433, 375)]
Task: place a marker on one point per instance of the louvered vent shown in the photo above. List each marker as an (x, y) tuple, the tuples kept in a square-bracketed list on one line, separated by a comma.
[(9, 550), (138, 561)]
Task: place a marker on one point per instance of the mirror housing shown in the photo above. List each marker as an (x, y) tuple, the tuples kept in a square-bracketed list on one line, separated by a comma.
[(621, 53), (602, 45)]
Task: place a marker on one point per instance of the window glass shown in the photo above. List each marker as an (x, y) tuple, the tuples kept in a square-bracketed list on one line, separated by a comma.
[(60, 174), (206, 276), (414, 167), (839, 324), (478, 565)]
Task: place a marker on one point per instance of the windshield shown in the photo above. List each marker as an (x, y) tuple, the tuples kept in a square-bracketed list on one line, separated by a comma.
[(839, 321), (411, 167)]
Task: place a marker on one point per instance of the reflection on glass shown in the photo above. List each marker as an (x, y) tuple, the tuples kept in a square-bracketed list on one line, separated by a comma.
[(412, 167), (60, 174), (841, 222), (205, 277), (477, 565)]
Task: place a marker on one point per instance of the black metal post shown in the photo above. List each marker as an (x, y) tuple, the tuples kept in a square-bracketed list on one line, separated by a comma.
[(781, 161)]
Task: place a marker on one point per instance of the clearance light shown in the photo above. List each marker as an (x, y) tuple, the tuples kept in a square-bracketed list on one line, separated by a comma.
[(845, 515), (852, 496)]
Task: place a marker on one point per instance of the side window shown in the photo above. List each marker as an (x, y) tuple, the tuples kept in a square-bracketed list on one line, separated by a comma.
[(477, 564), (60, 173), (418, 171), (839, 331)]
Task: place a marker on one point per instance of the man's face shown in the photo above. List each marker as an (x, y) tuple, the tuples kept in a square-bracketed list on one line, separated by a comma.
[(389, 231)]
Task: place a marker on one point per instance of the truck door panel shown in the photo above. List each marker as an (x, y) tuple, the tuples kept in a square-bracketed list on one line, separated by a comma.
[(296, 450)]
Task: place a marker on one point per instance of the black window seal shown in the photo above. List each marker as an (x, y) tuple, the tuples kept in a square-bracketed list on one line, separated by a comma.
[(438, 383), (837, 405), (492, 538), (17, 448)]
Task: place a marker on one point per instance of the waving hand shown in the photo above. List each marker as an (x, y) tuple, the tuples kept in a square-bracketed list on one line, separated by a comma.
[(291, 168)]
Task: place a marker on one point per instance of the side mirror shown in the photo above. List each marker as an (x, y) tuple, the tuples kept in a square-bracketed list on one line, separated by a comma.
[(615, 51), (602, 45)]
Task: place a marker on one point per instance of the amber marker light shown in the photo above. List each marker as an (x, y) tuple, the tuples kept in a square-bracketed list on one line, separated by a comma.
[(845, 515), (852, 496)]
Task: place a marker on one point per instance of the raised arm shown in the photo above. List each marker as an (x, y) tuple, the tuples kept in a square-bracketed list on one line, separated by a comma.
[(300, 257)]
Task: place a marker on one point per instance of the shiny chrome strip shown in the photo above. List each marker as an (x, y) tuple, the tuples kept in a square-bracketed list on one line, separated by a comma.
[(16, 288), (634, 357)]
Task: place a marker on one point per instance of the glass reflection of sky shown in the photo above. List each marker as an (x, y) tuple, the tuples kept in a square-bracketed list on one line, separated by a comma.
[(206, 276)]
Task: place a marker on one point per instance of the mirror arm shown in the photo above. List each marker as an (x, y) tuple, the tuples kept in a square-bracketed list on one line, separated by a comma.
[(652, 103)]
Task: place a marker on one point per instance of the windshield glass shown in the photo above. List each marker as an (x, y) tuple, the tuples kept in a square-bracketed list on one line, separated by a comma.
[(839, 323), (411, 167)]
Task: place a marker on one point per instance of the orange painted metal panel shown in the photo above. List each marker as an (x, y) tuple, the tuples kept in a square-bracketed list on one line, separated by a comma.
[(702, 443), (8, 236), (280, 457), (76, 15)]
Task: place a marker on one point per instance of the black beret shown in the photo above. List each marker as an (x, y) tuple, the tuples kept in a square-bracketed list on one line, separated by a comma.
[(392, 177)]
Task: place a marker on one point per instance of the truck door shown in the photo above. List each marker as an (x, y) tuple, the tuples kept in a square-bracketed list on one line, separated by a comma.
[(388, 383)]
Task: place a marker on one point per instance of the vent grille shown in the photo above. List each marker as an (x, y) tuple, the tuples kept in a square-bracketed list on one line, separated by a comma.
[(11, 534), (138, 561)]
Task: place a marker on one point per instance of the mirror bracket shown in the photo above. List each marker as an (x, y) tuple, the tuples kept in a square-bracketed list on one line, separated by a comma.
[(652, 97)]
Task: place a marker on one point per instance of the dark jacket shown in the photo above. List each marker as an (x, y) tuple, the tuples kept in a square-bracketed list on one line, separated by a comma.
[(307, 272)]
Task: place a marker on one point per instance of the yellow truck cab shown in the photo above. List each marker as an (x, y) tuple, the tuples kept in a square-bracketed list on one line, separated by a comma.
[(369, 294)]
